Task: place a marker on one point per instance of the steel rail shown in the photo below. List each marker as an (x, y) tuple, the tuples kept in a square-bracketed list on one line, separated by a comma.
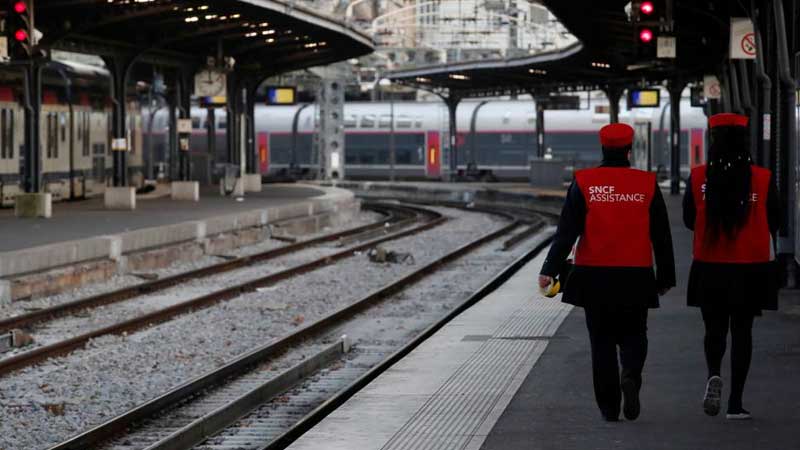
[(320, 412), (156, 317), (392, 212), (118, 425)]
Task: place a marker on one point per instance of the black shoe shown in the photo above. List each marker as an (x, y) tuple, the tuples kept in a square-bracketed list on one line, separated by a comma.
[(712, 397), (609, 416), (630, 394), (738, 414)]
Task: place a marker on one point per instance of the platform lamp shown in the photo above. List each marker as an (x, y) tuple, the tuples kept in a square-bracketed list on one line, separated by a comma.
[(384, 84)]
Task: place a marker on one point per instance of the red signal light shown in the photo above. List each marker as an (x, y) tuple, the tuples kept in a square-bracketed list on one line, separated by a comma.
[(21, 35), (647, 8), (20, 7), (645, 35)]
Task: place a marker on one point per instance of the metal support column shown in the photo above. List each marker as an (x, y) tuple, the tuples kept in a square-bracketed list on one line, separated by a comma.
[(452, 106), (540, 149), (184, 94), (472, 162), (232, 110), (211, 133), (33, 110), (250, 151), (119, 66), (675, 89), (614, 94), (762, 105), (172, 107), (785, 132)]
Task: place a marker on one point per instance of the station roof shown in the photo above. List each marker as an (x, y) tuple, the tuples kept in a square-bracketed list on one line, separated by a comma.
[(604, 55), (264, 36)]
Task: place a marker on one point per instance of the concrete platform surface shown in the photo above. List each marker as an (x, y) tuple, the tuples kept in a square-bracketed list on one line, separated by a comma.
[(449, 391), (555, 409), (89, 218)]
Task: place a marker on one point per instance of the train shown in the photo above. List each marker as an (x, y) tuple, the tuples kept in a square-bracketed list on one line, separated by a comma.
[(75, 133), (495, 138)]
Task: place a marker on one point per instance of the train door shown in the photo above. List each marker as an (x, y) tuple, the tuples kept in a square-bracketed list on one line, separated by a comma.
[(81, 154), (697, 154), (641, 153), (433, 159), (263, 152), (10, 139)]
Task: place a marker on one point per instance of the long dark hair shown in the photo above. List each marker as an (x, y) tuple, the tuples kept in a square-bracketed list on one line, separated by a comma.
[(728, 180)]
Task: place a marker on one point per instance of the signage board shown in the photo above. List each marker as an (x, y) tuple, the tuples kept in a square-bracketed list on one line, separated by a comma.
[(184, 126), (711, 87), (281, 95), (560, 102), (743, 39), (644, 98), (665, 47)]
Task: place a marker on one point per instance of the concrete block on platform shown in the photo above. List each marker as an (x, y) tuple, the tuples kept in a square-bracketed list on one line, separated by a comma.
[(186, 190), (252, 182), (34, 205), (238, 188), (147, 238), (122, 197), (54, 255)]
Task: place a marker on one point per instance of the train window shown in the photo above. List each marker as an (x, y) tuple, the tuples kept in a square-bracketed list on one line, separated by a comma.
[(385, 121), (403, 122), (418, 121), (84, 130), (222, 123), (350, 121), (7, 134), (368, 121), (63, 125), (3, 137), (506, 118), (195, 123), (531, 118)]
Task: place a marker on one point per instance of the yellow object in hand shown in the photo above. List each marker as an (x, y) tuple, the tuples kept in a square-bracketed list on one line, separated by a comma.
[(551, 290)]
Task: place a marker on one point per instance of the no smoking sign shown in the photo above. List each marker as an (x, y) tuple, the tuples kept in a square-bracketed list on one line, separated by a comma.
[(743, 39)]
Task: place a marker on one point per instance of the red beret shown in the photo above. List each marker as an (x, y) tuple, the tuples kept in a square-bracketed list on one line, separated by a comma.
[(616, 135), (727, 119)]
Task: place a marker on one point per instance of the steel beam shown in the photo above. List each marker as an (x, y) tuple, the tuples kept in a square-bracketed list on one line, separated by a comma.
[(675, 88), (119, 67), (33, 111)]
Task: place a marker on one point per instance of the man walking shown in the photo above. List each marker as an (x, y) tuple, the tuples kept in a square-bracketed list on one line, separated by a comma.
[(621, 219)]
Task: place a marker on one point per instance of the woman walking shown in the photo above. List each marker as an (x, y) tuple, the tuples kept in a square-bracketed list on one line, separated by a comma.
[(732, 207)]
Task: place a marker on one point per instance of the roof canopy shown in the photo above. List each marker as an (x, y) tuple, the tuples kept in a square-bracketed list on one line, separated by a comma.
[(264, 36), (603, 57)]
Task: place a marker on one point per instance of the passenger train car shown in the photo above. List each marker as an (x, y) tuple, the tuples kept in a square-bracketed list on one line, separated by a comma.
[(499, 136), (75, 134)]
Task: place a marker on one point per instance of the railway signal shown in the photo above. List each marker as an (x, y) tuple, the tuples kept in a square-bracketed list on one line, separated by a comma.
[(649, 18), (20, 30)]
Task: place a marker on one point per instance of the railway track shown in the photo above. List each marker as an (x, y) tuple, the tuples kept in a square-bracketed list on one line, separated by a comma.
[(403, 217), (211, 402)]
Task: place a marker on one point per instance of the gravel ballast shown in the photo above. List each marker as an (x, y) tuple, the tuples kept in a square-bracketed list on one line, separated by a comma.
[(46, 404)]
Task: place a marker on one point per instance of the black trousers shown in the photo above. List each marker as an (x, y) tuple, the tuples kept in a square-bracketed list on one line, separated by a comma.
[(610, 329), (718, 320)]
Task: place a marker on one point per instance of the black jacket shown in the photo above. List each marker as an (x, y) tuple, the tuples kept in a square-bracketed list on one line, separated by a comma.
[(741, 287), (611, 287)]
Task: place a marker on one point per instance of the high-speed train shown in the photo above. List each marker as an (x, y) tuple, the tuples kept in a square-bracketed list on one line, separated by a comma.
[(75, 133), (497, 136)]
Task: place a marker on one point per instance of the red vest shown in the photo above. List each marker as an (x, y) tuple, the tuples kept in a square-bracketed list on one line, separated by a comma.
[(751, 243), (617, 230)]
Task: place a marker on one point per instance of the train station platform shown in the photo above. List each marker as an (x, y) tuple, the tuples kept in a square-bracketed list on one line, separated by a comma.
[(514, 372), (81, 233)]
